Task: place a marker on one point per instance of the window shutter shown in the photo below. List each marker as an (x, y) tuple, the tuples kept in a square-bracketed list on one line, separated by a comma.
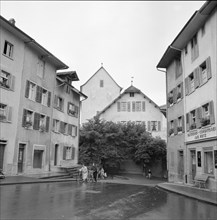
[(143, 106), (187, 122), (11, 82), (118, 106), (73, 153), (175, 95), (128, 106), (48, 99), (64, 153), (61, 127), (27, 89), (149, 125), (186, 86), (133, 106), (68, 107), (196, 78), (159, 126), (183, 124), (198, 117), (24, 117), (36, 121), (9, 113), (175, 126), (182, 90), (208, 67), (62, 106), (69, 129), (55, 101), (37, 98), (211, 112), (53, 127), (47, 123)]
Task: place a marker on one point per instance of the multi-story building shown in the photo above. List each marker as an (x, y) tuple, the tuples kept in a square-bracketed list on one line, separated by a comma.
[(133, 105), (66, 114), (191, 86), (28, 87), (101, 89)]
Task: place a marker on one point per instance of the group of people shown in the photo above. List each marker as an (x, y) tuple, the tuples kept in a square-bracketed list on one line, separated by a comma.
[(92, 173)]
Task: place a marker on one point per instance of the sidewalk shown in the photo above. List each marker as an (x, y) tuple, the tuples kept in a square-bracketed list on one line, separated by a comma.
[(189, 191)]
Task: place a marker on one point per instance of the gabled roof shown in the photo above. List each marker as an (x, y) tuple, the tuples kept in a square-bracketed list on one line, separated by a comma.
[(129, 90), (185, 35), (45, 54), (96, 73)]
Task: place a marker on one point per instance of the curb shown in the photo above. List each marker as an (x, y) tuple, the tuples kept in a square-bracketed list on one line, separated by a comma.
[(193, 196)]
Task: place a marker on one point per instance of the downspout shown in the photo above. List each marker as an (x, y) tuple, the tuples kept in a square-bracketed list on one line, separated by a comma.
[(166, 113)]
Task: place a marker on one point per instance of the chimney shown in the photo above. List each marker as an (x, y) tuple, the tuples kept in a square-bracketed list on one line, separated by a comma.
[(12, 21)]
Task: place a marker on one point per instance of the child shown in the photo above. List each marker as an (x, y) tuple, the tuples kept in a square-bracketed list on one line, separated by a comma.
[(149, 174)]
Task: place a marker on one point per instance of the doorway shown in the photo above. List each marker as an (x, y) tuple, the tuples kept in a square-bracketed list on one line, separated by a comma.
[(192, 163), (21, 157), (56, 154), (37, 160), (2, 151), (181, 165)]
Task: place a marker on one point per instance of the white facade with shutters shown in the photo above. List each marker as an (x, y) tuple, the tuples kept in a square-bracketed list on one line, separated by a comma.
[(190, 62), (133, 105)]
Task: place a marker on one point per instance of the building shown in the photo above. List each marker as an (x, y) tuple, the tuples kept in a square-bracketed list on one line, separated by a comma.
[(28, 87), (190, 63), (101, 89), (65, 126), (133, 105)]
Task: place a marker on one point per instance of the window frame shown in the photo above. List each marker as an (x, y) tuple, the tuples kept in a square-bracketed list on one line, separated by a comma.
[(8, 49)]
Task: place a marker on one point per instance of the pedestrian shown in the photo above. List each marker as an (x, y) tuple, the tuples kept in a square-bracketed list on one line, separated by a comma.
[(149, 174), (94, 168), (84, 173), (101, 173)]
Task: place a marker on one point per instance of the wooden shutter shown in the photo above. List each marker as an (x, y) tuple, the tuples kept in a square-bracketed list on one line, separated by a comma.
[(11, 81), (128, 106), (159, 126), (9, 113), (198, 115), (211, 112), (49, 99), (175, 126), (64, 152), (186, 86), (143, 106), (133, 106), (196, 78), (69, 129), (175, 95), (183, 124), (62, 106), (62, 127), (181, 85), (73, 153), (37, 117), (47, 123), (27, 89), (118, 106), (187, 122), (55, 101), (208, 67), (24, 117)]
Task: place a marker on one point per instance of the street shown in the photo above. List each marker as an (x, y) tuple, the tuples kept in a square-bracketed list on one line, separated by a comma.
[(73, 200)]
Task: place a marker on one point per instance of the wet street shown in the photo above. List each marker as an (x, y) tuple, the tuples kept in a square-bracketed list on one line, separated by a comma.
[(72, 200)]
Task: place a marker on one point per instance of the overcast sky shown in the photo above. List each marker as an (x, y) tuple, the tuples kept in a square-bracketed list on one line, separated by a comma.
[(128, 37)]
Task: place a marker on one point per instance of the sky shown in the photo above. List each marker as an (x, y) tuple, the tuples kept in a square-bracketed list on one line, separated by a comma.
[(127, 37)]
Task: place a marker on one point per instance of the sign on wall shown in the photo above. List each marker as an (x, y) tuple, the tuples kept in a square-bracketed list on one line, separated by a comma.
[(202, 133)]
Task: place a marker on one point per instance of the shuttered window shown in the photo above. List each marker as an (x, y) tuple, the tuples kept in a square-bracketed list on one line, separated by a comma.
[(7, 80), (5, 113), (143, 106), (118, 106)]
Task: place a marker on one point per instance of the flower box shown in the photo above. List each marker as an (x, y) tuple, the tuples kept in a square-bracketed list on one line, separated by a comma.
[(205, 121), (28, 124), (42, 128), (193, 126), (179, 129)]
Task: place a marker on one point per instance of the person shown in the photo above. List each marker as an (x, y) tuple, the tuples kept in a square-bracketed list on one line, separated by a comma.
[(101, 173), (84, 173), (94, 168), (149, 174)]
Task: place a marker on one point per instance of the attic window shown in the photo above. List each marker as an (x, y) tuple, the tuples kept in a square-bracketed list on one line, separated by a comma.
[(131, 94), (101, 83)]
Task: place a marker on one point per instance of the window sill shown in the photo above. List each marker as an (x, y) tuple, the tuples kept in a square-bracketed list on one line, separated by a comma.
[(59, 109), (11, 58), (56, 132), (3, 87)]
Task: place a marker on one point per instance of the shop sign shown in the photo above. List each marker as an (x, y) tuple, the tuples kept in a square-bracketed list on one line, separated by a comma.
[(198, 134)]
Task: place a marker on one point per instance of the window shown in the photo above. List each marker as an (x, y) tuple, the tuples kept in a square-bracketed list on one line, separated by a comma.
[(178, 67), (131, 94), (205, 71), (42, 123), (44, 98), (171, 127), (6, 80), (179, 125), (208, 162), (101, 83), (74, 131), (123, 106), (27, 119), (59, 103), (68, 153), (8, 49), (30, 90), (153, 125), (179, 91), (138, 106), (56, 125), (40, 68), (72, 109), (170, 98), (194, 48), (191, 82), (192, 120), (207, 114), (128, 106), (5, 113)]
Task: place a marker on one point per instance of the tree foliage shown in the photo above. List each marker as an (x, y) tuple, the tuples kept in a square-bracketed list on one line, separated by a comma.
[(109, 143)]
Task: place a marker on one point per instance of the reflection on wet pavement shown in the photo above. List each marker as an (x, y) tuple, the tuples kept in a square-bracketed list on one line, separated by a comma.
[(73, 200)]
